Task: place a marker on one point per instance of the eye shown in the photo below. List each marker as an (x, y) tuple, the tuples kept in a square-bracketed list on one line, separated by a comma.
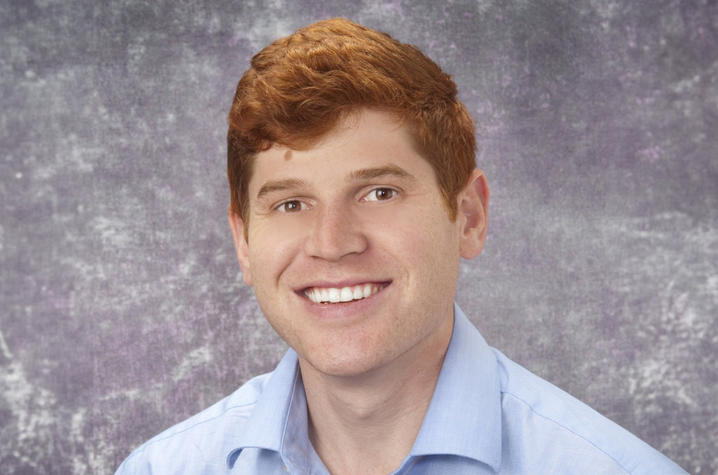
[(380, 194), (291, 206)]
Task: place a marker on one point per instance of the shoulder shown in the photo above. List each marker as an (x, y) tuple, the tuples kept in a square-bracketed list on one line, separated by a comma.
[(198, 440), (541, 420)]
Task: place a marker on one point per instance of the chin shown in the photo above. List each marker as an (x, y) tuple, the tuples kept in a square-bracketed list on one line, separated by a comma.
[(345, 365)]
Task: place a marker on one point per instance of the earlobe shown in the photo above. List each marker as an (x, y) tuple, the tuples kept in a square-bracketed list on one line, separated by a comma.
[(473, 212), (240, 245)]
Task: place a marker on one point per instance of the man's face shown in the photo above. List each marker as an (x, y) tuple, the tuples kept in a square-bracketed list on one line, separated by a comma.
[(350, 249)]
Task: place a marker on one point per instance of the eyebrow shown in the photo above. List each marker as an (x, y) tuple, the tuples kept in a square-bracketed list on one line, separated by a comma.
[(357, 175), (377, 172), (280, 185)]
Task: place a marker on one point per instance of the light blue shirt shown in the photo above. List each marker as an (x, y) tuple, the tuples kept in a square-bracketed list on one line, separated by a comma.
[(487, 415)]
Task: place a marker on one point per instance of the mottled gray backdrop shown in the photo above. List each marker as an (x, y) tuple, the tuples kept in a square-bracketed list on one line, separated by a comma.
[(122, 306)]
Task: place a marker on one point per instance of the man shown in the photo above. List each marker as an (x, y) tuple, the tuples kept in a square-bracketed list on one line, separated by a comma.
[(354, 194)]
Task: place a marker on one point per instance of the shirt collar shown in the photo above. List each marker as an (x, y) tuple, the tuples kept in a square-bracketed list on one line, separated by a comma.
[(464, 416), (266, 426)]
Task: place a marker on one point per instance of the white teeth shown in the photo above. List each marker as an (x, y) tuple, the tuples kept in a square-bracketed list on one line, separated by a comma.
[(334, 295), (344, 294), (358, 292)]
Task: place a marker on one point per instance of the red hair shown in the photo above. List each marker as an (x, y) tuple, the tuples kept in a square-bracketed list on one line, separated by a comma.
[(299, 87)]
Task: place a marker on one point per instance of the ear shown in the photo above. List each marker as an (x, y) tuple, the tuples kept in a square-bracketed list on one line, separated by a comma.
[(472, 215), (240, 245)]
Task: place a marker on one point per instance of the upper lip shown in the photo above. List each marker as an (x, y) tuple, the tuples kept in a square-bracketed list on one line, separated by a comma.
[(338, 284)]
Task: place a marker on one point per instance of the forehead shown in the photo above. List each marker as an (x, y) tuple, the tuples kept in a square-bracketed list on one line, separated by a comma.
[(367, 139)]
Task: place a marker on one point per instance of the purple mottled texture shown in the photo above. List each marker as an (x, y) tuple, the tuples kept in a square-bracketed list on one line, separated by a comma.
[(122, 310)]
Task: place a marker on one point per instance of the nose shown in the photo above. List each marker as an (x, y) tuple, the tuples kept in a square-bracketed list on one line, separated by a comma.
[(335, 233)]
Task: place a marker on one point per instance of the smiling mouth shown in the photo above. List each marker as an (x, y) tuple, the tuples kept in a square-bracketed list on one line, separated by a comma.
[(343, 294)]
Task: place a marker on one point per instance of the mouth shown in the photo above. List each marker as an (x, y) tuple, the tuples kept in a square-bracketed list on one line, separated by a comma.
[(335, 295)]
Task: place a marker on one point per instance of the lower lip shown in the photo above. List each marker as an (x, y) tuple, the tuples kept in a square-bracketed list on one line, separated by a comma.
[(344, 310)]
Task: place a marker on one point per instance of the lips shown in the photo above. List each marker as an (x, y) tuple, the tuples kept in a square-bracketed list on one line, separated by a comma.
[(325, 294)]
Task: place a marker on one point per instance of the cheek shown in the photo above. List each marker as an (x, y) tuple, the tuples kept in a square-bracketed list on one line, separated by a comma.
[(434, 249), (272, 248), (424, 243), (426, 232)]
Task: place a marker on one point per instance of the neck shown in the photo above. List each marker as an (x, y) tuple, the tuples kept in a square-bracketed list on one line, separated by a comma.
[(379, 412)]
